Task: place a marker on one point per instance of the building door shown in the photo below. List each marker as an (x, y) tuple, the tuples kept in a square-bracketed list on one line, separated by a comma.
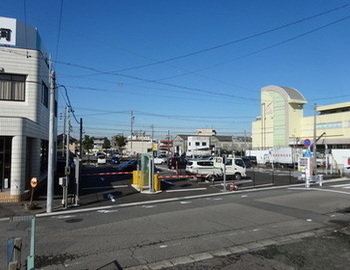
[(5, 162)]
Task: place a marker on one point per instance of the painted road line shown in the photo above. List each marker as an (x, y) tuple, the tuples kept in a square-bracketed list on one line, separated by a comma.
[(106, 173), (343, 185), (107, 187), (188, 189), (320, 189), (256, 186)]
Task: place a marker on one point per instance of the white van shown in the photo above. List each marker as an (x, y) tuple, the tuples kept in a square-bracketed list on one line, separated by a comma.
[(200, 166), (235, 168)]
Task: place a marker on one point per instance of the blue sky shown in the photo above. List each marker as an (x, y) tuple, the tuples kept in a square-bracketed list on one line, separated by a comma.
[(185, 65)]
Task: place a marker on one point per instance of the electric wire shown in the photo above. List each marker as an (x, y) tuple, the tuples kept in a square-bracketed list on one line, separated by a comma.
[(235, 41), (68, 102), (59, 30), (209, 91)]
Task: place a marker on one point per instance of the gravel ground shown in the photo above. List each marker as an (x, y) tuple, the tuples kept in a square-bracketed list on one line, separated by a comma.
[(327, 251)]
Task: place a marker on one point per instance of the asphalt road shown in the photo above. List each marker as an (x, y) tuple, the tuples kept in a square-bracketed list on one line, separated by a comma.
[(190, 230)]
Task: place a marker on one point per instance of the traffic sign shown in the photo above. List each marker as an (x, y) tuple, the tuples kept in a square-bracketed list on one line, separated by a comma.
[(34, 182), (307, 143)]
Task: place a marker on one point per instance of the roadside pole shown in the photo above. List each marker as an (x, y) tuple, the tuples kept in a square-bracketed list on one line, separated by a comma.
[(31, 257), (50, 169), (67, 167), (314, 143), (77, 177), (224, 172)]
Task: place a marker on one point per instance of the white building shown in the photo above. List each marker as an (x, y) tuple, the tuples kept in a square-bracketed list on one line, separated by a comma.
[(139, 143), (198, 146), (24, 108)]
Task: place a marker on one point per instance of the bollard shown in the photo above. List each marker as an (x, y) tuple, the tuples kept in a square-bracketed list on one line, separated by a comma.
[(320, 179), (307, 181), (31, 257), (157, 181)]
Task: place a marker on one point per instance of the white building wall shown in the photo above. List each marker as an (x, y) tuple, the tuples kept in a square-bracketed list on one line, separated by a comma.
[(27, 122), (198, 145), (18, 165)]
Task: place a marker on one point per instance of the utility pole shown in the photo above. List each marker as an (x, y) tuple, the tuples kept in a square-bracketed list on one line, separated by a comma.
[(315, 141), (67, 168), (64, 132), (132, 120), (78, 164), (169, 148), (50, 169), (81, 139), (152, 132)]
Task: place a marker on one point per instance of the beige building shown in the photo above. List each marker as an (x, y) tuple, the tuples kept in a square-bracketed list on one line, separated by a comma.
[(282, 122)]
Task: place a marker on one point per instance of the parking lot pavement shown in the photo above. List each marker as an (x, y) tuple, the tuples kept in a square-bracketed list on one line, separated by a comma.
[(101, 188)]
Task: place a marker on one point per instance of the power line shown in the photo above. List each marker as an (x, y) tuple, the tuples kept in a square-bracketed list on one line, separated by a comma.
[(156, 82), (59, 29), (234, 41), (208, 91), (68, 102)]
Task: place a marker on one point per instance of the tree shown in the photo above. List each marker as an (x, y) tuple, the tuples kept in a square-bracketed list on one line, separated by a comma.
[(88, 143), (119, 141), (106, 144)]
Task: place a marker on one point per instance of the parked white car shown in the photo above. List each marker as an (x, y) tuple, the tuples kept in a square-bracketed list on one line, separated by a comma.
[(160, 160), (101, 159)]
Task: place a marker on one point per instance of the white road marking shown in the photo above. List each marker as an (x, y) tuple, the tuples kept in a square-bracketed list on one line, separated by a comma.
[(188, 189), (63, 217), (148, 206), (107, 187), (185, 202), (342, 185), (107, 211), (320, 189)]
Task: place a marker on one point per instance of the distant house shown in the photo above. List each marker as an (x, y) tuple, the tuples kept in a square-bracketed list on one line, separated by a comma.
[(98, 143), (206, 144), (139, 143), (62, 141)]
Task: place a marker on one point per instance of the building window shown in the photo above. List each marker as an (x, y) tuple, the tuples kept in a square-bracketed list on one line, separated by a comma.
[(5, 162), (329, 125), (197, 143), (12, 87), (204, 144), (44, 95)]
